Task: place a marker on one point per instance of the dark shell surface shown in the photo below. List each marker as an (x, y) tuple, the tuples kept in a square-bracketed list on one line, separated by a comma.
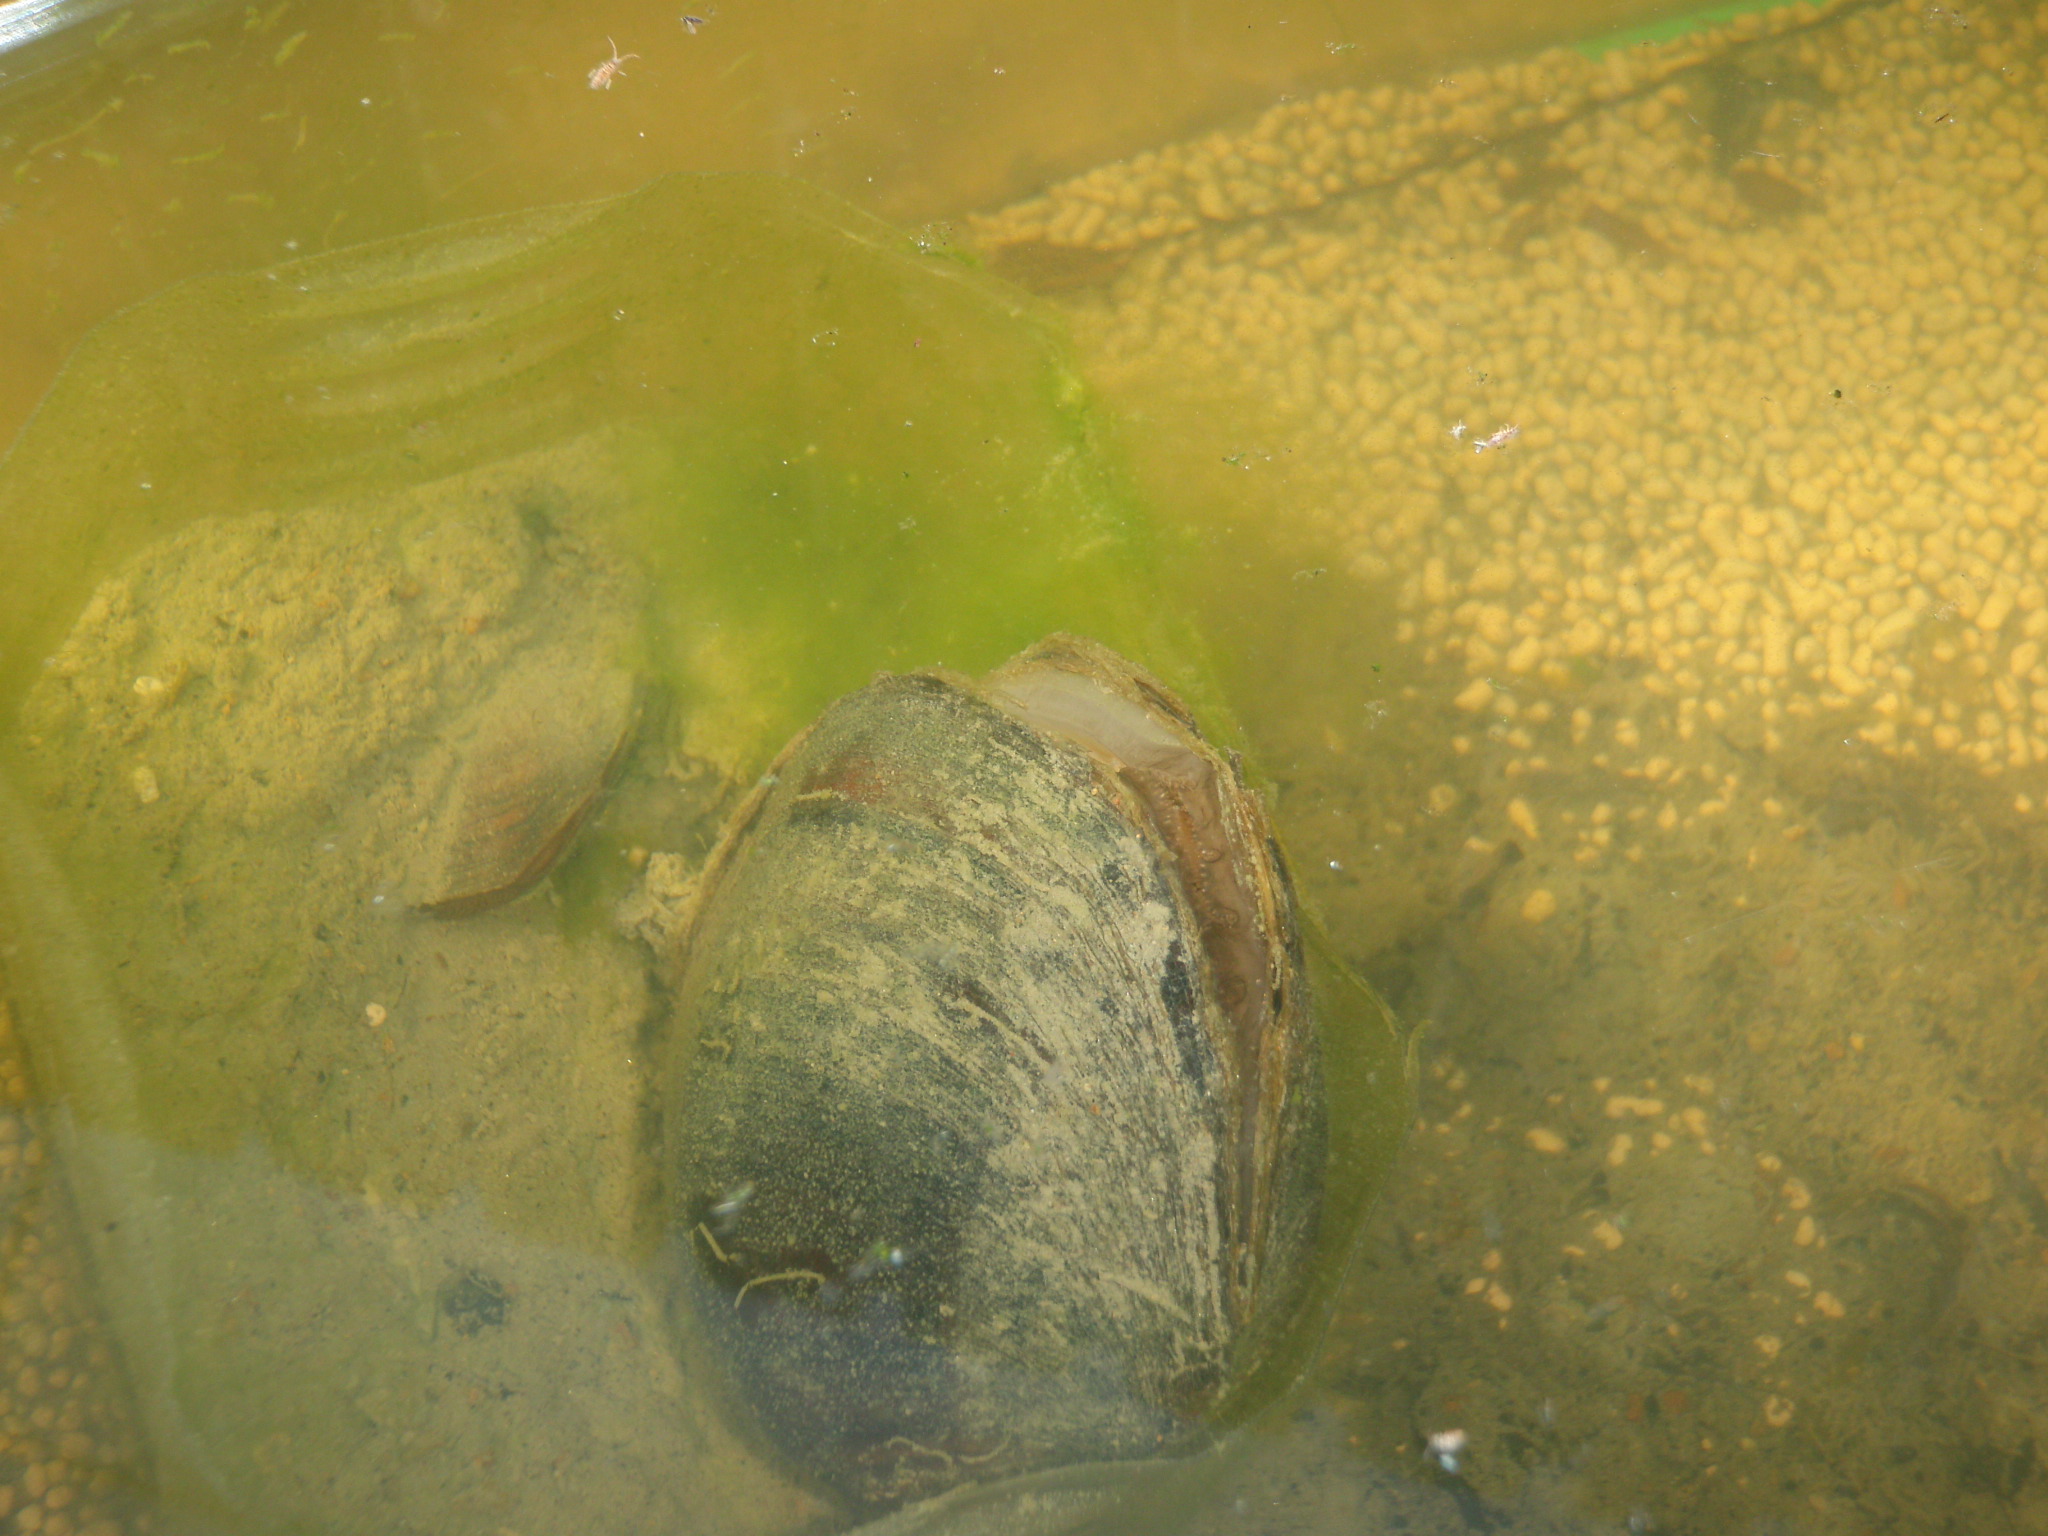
[(997, 1122)]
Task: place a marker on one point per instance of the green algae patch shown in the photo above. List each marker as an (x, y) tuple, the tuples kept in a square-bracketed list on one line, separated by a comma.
[(825, 416), (726, 433)]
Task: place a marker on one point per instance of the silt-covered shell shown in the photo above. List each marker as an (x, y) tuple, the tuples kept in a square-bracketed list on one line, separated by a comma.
[(998, 1122), (532, 759)]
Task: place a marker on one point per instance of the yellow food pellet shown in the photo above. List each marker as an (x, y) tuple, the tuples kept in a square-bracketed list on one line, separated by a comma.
[(1475, 696), (1796, 1194), (1607, 1235), (1622, 1105), (1780, 567), (1827, 1304), (1545, 1140), (1442, 798), (1798, 1281), (1492, 1262), (1777, 1411), (1523, 818), (1804, 1233), (1619, 1149), (1539, 906), (1498, 1299), (144, 781), (1475, 1285), (376, 1013), (1768, 1345)]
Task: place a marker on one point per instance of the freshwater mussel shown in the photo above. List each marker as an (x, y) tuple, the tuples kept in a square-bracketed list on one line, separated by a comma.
[(998, 1121)]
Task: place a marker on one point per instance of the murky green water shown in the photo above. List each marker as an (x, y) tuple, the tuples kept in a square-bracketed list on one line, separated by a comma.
[(1671, 762)]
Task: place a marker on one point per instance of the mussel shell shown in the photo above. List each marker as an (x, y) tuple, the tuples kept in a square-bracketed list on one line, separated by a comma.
[(977, 1169), (532, 759)]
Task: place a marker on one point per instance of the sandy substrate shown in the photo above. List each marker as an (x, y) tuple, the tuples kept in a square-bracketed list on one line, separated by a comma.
[(366, 1186)]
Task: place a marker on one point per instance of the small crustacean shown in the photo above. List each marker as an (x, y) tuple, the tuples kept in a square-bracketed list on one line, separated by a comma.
[(532, 760), (611, 69)]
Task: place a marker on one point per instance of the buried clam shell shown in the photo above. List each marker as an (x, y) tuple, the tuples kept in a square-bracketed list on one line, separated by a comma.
[(999, 1122), (532, 759)]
